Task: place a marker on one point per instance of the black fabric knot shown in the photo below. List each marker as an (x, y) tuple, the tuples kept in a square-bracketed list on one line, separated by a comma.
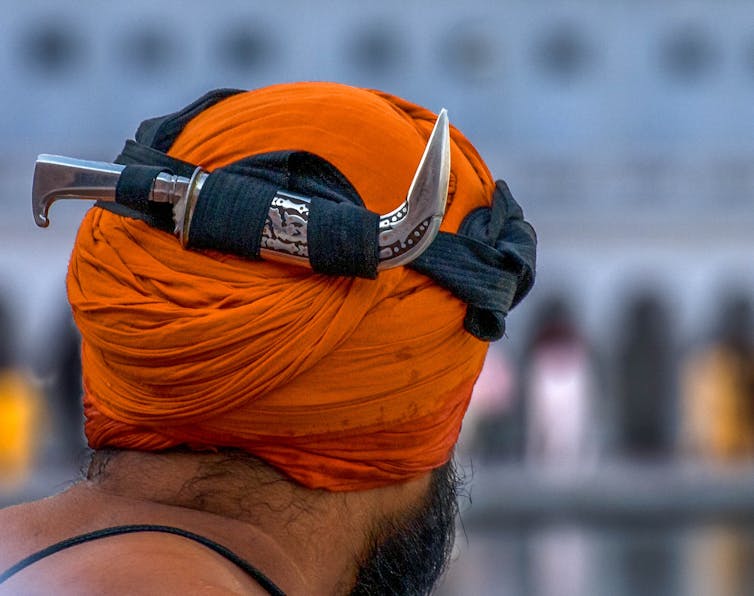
[(489, 264)]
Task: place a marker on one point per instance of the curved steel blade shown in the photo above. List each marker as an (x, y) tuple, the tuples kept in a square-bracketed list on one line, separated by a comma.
[(408, 230)]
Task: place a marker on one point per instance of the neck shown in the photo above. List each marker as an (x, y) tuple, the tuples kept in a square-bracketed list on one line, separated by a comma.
[(322, 536)]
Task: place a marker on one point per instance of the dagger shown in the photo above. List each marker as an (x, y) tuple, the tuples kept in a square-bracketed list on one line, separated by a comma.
[(403, 234)]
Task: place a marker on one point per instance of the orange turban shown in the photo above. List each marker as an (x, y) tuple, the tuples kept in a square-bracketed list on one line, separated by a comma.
[(341, 383)]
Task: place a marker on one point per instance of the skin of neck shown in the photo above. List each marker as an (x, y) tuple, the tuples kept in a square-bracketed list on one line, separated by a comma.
[(322, 535)]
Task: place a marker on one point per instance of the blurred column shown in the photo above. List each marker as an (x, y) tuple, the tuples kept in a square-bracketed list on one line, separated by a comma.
[(64, 391), (645, 371), (718, 388)]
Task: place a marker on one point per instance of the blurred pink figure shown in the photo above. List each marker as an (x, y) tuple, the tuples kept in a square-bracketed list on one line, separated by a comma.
[(560, 388)]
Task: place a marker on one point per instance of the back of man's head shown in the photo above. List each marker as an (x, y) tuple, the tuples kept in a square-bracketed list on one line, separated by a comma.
[(341, 383)]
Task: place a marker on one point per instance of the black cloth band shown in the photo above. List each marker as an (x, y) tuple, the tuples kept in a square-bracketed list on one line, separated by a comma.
[(157, 215), (135, 153), (343, 239), (232, 209), (230, 214), (489, 263), (228, 554), (160, 133), (135, 185)]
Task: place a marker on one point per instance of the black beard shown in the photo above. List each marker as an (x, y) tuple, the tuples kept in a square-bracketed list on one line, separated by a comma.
[(407, 557)]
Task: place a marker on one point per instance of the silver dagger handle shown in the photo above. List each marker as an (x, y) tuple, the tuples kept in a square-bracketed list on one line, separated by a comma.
[(58, 177)]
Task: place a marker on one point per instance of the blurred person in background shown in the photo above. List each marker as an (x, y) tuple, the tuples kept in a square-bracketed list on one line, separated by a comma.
[(717, 405), (561, 390), (260, 427), (491, 428), (20, 412), (645, 371)]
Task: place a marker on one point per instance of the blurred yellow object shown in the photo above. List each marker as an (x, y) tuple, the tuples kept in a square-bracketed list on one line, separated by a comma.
[(19, 418), (718, 414)]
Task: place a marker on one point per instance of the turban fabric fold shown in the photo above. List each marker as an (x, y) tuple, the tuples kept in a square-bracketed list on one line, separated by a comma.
[(341, 383)]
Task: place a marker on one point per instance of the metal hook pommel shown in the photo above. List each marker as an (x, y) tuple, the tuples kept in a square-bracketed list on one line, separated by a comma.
[(57, 177)]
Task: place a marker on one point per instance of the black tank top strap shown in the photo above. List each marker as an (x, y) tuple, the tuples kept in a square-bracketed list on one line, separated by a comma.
[(252, 571)]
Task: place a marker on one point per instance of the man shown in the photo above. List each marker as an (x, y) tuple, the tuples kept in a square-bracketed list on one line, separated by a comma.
[(261, 426)]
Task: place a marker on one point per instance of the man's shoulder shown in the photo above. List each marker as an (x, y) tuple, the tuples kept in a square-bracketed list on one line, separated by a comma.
[(21, 524), (142, 563), (163, 563)]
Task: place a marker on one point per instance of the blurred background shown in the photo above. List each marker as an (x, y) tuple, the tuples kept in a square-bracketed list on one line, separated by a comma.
[(610, 443)]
